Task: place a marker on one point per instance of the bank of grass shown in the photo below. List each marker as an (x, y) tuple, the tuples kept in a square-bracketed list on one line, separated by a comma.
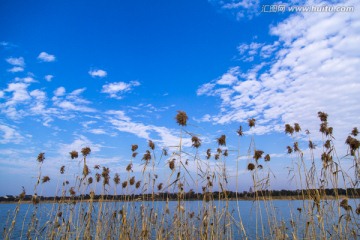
[(94, 218)]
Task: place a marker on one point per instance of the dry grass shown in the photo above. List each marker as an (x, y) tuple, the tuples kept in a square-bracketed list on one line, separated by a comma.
[(75, 216)]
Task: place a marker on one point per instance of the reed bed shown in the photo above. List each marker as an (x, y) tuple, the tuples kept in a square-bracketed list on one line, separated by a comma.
[(82, 211)]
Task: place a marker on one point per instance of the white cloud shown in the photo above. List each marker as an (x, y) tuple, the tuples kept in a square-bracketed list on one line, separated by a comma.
[(45, 57), (206, 89), (314, 67), (18, 64), (79, 143), (19, 93), (48, 77), (67, 105), (60, 91), (241, 9), (16, 69), (98, 73), (25, 80), (166, 137), (230, 77), (10, 135), (72, 101), (115, 89), (119, 115), (16, 61), (97, 131)]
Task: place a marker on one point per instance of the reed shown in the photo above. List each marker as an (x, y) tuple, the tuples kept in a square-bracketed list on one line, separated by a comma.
[(81, 211)]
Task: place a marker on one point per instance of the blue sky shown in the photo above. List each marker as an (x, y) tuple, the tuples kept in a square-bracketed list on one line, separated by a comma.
[(108, 74)]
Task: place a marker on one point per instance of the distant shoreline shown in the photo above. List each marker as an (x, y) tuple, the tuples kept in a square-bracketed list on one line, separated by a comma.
[(289, 198)]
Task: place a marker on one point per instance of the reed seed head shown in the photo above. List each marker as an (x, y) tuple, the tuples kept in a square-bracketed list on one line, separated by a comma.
[(208, 153), (355, 132), (217, 156), (240, 131), (181, 118), (251, 166), (323, 116), (297, 127), (196, 142), (116, 179), (129, 167), (74, 154), (222, 140), (132, 181), (97, 166), (296, 147), (326, 157), (41, 157), (327, 144), (97, 177), (147, 156), (172, 164), (105, 172), (90, 180), (134, 147), (267, 158), (62, 169), (151, 145), (289, 129), (138, 183), (258, 154), (353, 144), (134, 154), (312, 145), (85, 151), (251, 122), (45, 179), (226, 153), (289, 150), (159, 186)]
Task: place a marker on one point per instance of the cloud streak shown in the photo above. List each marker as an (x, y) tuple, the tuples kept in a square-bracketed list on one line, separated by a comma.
[(116, 89)]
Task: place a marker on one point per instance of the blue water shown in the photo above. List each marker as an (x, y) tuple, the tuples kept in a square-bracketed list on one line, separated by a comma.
[(260, 219)]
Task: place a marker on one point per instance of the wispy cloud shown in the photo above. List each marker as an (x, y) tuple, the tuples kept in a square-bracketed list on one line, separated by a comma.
[(9, 135), (72, 101), (18, 64), (79, 142), (116, 89), (48, 77), (240, 9), (46, 57), (165, 136), (98, 73)]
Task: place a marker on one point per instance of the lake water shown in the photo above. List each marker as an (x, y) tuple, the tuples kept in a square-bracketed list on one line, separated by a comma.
[(260, 219)]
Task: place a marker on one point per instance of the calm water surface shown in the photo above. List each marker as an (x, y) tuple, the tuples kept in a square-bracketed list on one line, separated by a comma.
[(252, 214)]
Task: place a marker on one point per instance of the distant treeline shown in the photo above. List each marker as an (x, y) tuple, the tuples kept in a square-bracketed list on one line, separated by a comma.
[(299, 194)]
